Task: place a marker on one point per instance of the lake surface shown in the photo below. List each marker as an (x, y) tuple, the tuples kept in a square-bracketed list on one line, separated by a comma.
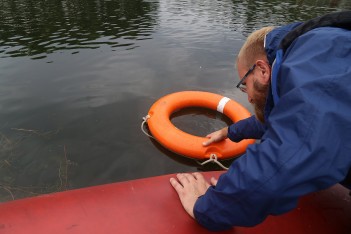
[(77, 76)]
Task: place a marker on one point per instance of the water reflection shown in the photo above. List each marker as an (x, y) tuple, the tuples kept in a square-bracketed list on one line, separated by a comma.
[(195, 120), (38, 28), (254, 14)]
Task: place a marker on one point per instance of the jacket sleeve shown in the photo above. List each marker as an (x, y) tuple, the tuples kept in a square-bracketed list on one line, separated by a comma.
[(249, 128), (305, 147)]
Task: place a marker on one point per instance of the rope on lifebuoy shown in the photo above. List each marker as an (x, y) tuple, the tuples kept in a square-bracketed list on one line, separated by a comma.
[(213, 158), (142, 126)]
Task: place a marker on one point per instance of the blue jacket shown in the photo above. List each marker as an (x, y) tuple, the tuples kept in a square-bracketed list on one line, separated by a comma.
[(304, 144)]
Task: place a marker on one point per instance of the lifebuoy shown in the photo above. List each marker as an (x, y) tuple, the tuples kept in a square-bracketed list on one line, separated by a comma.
[(188, 145)]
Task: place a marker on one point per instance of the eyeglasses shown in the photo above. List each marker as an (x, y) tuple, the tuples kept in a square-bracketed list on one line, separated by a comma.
[(242, 86)]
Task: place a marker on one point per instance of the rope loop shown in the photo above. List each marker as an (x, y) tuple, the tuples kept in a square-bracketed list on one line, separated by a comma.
[(213, 158), (142, 126)]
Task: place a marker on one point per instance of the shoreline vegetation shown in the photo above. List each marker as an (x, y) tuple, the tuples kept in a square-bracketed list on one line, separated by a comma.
[(9, 165)]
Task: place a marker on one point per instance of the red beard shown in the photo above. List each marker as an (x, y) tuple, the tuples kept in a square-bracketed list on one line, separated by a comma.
[(259, 99)]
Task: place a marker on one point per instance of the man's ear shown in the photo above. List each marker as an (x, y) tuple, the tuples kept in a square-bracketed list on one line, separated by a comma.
[(264, 71)]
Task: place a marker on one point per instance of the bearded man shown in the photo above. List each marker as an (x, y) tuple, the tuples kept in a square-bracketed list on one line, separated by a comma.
[(298, 77)]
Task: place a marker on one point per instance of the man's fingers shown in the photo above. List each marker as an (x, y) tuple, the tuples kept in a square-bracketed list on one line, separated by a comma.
[(201, 179), (198, 176), (185, 178), (190, 178), (206, 143), (182, 178), (176, 185), (209, 136), (189, 188), (185, 181), (216, 136)]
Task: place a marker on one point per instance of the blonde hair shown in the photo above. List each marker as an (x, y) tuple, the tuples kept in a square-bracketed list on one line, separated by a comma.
[(253, 47)]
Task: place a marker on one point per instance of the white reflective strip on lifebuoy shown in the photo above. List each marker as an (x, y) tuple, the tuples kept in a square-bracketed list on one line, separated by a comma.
[(222, 103)]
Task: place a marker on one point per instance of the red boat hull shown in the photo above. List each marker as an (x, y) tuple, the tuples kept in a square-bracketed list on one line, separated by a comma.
[(152, 206)]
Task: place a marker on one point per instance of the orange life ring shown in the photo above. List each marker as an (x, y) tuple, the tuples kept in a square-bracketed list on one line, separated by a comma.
[(188, 145)]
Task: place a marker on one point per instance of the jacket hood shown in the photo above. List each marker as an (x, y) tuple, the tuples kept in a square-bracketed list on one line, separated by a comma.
[(273, 39)]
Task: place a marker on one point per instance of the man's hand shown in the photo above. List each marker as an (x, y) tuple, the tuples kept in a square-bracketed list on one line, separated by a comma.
[(216, 136), (189, 188)]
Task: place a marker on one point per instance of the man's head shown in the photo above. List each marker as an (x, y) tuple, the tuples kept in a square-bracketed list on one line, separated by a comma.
[(255, 71)]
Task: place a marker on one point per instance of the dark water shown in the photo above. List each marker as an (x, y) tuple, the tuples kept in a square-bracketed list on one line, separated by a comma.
[(77, 76)]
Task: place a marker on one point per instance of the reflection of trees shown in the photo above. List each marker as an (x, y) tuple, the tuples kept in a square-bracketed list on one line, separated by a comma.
[(31, 27), (248, 15), (256, 14), (34, 27)]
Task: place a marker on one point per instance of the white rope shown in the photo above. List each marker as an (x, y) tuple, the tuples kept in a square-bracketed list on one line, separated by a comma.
[(142, 126), (213, 158)]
